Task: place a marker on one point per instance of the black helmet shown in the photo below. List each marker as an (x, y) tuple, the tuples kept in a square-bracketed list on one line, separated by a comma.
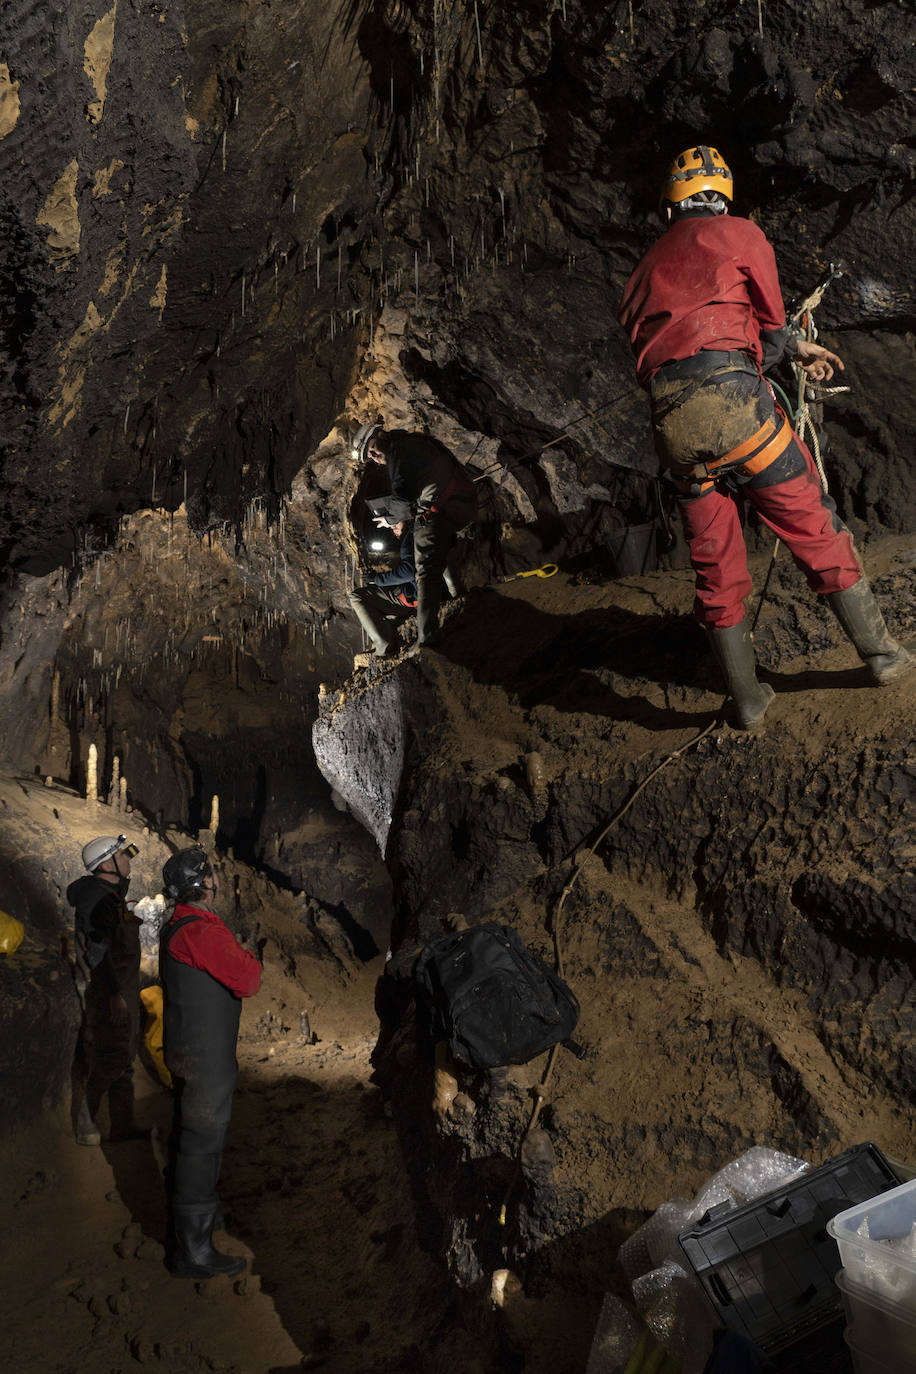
[(185, 872)]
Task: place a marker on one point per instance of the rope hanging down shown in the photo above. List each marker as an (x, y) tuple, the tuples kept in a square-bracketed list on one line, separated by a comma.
[(540, 1092)]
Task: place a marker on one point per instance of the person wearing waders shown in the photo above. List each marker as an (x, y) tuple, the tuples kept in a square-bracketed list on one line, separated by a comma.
[(430, 487), (705, 318), (108, 969), (205, 973), (389, 598)]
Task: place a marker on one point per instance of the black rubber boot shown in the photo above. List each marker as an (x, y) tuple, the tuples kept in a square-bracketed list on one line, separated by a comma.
[(734, 654), (191, 1253), (862, 622)]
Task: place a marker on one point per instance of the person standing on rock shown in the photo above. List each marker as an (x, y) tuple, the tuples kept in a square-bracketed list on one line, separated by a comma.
[(205, 973), (705, 318), (430, 487), (108, 963), (389, 598)]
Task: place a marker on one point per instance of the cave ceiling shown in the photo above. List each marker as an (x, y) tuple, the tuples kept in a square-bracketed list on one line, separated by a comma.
[(231, 231)]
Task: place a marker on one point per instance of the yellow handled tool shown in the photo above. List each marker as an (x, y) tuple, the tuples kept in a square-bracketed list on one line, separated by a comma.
[(548, 570)]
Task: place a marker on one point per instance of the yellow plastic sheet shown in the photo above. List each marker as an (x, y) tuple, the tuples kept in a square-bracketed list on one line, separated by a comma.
[(11, 933), (152, 1031)]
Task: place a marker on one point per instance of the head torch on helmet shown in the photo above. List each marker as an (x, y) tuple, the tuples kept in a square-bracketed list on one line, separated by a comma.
[(361, 440), (105, 847), (186, 871)]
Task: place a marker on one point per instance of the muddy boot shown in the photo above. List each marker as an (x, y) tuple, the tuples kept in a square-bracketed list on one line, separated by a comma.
[(382, 639), (734, 654), (862, 622), (191, 1253), (121, 1112), (85, 1129)]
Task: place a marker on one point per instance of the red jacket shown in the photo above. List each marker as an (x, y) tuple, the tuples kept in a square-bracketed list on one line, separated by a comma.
[(209, 944), (709, 282)]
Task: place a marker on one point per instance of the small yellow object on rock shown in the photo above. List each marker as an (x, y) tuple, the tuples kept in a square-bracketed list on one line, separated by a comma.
[(11, 933)]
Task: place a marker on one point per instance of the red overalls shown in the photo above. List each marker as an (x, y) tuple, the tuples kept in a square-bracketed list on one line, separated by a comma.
[(694, 309)]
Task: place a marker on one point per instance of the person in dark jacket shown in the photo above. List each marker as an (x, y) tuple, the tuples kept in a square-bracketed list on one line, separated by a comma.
[(389, 598), (108, 976), (205, 973), (430, 487), (705, 317)]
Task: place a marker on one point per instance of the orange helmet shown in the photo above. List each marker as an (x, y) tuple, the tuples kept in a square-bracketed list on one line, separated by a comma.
[(696, 169)]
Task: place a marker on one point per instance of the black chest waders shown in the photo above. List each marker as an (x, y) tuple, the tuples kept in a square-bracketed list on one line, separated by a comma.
[(201, 1018)]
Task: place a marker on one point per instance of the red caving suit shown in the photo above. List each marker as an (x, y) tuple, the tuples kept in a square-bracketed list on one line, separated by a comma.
[(700, 309)]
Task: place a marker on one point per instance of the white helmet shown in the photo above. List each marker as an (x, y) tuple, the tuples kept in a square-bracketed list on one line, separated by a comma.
[(97, 851), (361, 441)]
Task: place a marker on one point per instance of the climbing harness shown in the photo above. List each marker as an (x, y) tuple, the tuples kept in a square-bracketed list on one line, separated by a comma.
[(547, 570), (754, 455)]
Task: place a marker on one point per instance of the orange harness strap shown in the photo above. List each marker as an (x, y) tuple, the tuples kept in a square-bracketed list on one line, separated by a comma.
[(770, 441), (766, 445)]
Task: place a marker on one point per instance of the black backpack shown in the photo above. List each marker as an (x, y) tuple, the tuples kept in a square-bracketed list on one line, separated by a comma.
[(490, 999)]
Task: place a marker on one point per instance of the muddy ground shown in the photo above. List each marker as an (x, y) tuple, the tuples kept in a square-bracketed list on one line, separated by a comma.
[(319, 1203), (700, 1042)]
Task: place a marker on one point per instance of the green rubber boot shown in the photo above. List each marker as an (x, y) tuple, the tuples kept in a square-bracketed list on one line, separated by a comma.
[(862, 622), (734, 654)]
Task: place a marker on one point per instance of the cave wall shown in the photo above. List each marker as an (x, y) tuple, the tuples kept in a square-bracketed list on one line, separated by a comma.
[(205, 213)]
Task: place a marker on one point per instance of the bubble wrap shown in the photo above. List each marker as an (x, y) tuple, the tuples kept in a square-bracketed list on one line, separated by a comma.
[(665, 1291)]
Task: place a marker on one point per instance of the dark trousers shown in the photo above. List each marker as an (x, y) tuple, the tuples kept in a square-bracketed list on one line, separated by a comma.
[(433, 540), (379, 611), (106, 1055), (203, 1110)]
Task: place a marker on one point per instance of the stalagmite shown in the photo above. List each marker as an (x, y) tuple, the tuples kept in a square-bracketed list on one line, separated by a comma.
[(214, 814), (114, 793), (122, 795), (534, 772), (92, 774), (445, 1084)]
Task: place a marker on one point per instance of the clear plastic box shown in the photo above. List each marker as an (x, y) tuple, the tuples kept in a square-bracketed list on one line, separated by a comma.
[(883, 1258), (864, 1361), (885, 1329)]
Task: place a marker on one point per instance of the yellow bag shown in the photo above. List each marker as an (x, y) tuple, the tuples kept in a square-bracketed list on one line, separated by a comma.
[(152, 1031), (11, 933)]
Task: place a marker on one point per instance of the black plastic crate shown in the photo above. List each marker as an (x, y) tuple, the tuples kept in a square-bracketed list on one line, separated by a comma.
[(768, 1267)]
